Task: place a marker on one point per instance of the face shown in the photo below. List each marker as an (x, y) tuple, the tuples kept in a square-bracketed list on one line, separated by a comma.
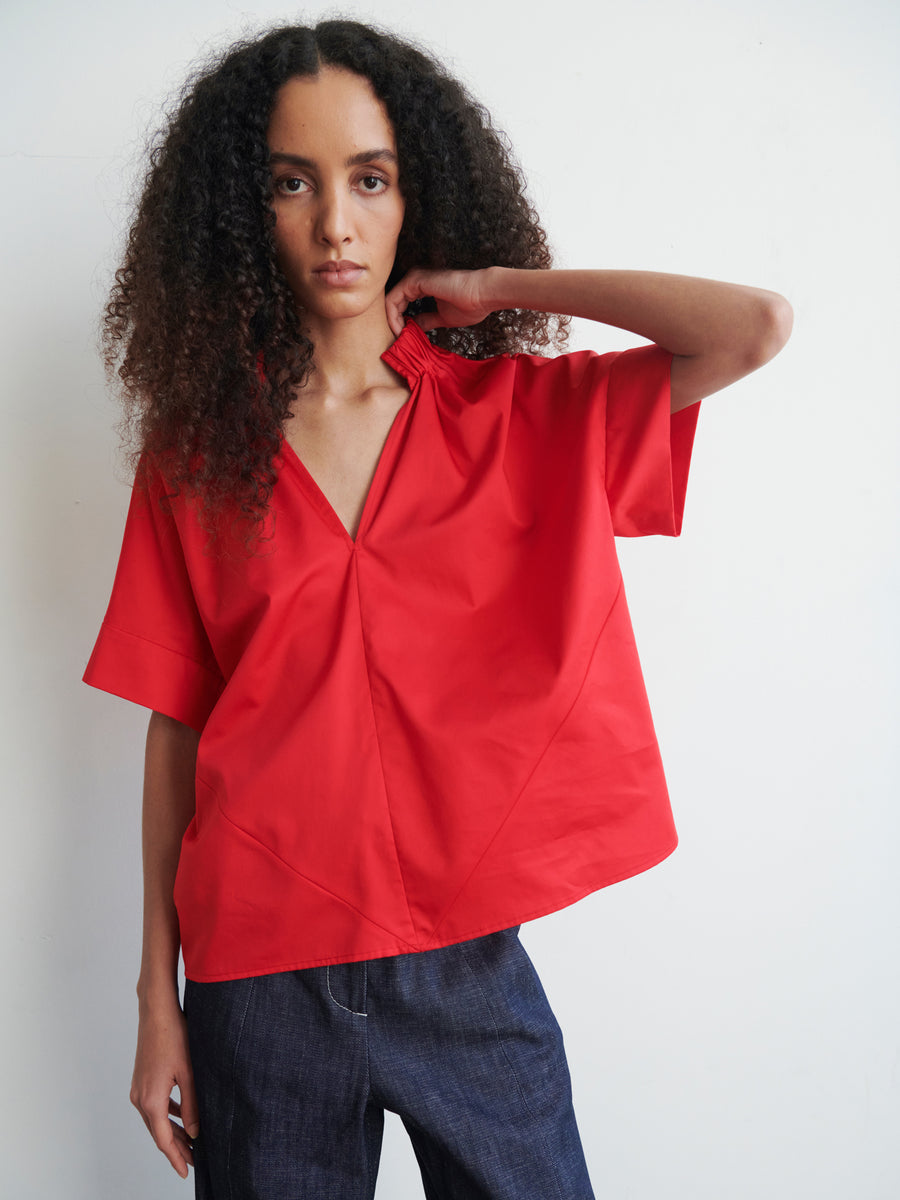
[(337, 200)]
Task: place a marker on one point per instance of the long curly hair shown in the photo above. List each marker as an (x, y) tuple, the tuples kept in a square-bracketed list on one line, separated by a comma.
[(200, 301)]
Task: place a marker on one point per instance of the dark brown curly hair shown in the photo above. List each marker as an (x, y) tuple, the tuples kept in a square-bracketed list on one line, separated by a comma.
[(200, 301)]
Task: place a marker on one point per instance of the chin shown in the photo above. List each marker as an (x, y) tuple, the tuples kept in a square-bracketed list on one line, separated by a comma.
[(339, 307)]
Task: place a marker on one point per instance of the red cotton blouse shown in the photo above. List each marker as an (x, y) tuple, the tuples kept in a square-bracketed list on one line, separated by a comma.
[(437, 729)]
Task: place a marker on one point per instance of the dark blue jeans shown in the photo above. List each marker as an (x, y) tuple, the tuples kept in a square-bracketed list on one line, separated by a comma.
[(294, 1072)]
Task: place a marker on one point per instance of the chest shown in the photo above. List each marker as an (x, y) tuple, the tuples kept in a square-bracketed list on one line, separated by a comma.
[(340, 445)]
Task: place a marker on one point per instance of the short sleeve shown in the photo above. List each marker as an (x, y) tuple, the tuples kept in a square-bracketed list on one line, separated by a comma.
[(648, 448), (152, 647)]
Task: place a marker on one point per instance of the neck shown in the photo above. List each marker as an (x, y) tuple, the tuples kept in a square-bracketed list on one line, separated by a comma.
[(347, 354)]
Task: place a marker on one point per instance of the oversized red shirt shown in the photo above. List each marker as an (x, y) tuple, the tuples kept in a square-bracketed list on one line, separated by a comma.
[(437, 729)]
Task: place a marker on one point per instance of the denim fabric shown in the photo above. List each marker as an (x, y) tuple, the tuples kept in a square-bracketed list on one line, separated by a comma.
[(294, 1072)]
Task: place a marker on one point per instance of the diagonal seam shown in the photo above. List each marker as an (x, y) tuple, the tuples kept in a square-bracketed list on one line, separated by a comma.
[(531, 773), (312, 883)]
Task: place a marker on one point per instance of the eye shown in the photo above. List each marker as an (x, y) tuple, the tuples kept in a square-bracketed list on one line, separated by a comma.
[(372, 184), (291, 185)]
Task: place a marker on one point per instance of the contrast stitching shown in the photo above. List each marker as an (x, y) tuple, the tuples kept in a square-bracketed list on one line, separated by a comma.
[(549, 1157), (237, 1046), (352, 1012)]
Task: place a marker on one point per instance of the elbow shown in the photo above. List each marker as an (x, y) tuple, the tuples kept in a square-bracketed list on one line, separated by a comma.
[(773, 322)]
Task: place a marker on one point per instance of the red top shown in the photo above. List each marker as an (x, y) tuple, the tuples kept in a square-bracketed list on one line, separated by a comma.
[(438, 729)]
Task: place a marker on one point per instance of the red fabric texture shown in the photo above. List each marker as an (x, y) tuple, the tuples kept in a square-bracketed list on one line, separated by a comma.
[(438, 729)]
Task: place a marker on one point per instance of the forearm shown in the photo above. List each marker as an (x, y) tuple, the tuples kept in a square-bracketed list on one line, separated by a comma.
[(685, 315), (167, 811)]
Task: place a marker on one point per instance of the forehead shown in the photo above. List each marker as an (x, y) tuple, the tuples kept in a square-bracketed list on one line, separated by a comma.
[(332, 110)]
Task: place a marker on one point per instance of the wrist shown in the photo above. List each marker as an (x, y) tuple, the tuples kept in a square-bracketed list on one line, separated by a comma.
[(157, 989), (164, 1005)]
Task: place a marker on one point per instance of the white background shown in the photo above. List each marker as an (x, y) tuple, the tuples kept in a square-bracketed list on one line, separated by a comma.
[(731, 1016)]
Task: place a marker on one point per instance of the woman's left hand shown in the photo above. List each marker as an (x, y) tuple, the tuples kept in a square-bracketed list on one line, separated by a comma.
[(461, 297)]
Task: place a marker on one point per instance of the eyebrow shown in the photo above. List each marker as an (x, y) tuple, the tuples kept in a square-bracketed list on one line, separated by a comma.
[(355, 160)]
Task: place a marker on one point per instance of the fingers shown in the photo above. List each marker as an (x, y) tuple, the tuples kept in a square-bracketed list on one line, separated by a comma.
[(428, 321), (170, 1138), (415, 285), (183, 1145), (398, 299), (188, 1109), (183, 1134), (395, 318), (175, 1144)]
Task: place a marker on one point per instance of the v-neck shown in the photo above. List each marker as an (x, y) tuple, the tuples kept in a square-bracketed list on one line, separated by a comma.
[(409, 357)]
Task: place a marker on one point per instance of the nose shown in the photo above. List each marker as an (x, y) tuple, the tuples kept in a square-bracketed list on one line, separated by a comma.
[(333, 218)]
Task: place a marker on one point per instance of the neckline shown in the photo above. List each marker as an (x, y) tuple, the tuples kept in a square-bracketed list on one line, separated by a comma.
[(409, 357), (411, 354)]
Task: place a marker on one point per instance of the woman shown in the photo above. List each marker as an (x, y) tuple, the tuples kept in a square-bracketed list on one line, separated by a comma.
[(374, 569)]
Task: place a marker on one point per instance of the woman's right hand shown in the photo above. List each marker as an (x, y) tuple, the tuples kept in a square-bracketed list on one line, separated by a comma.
[(162, 1063)]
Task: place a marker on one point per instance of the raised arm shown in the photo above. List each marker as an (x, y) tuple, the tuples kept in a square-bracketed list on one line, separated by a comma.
[(717, 332), (162, 1061)]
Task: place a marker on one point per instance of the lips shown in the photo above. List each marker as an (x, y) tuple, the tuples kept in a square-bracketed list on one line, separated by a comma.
[(338, 274)]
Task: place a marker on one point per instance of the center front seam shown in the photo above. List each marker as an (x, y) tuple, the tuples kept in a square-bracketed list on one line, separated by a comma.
[(387, 798)]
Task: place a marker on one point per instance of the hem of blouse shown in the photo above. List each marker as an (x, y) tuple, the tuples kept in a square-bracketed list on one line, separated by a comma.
[(645, 863)]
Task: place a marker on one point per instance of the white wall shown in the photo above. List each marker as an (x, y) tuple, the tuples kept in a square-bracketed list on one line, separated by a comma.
[(732, 1015)]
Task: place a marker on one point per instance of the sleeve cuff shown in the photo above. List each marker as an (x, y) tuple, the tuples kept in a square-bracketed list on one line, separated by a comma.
[(152, 675), (648, 446)]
